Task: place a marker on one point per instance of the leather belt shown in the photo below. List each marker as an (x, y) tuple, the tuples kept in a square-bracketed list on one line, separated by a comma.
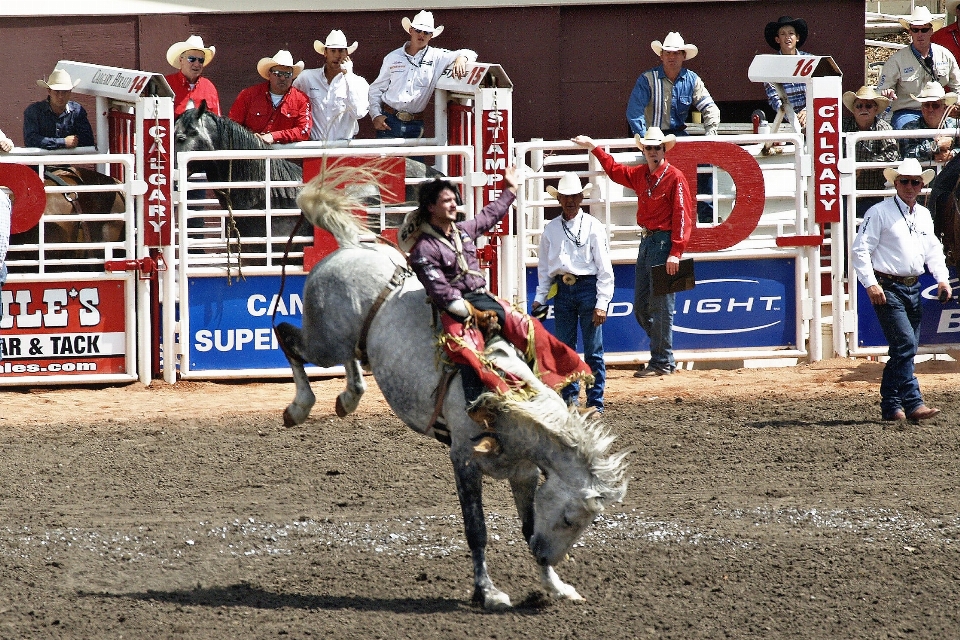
[(402, 116), (904, 280), (570, 279), (645, 233)]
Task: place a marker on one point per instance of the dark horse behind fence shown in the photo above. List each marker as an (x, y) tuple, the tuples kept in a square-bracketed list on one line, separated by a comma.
[(201, 130), (944, 208)]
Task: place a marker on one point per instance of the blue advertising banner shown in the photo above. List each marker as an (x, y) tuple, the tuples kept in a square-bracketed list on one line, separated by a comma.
[(940, 323), (735, 304), (231, 326)]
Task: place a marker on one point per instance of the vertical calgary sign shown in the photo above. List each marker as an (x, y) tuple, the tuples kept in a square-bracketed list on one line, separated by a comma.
[(826, 152), (157, 169)]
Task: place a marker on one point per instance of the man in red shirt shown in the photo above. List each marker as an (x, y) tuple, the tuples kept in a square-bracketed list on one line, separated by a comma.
[(189, 87), (275, 110), (949, 37), (665, 213)]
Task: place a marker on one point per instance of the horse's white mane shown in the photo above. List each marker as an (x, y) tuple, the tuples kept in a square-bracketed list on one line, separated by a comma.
[(328, 201), (584, 433)]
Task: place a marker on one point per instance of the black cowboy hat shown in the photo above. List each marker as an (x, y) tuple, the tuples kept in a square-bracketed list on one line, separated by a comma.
[(773, 28)]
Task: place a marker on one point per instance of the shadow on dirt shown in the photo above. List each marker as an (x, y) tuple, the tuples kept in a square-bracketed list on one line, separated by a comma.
[(245, 595)]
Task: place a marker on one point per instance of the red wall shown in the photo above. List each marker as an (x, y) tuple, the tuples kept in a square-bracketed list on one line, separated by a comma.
[(573, 67)]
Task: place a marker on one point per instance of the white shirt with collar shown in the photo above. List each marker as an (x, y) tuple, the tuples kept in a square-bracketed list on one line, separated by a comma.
[(559, 254), (336, 106), (898, 241), (406, 82)]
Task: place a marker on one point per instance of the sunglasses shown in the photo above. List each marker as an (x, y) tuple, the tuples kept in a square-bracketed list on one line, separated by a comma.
[(920, 29), (652, 147), (913, 182), (193, 59), (282, 74), (423, 33), (931, 105), (864, 105)]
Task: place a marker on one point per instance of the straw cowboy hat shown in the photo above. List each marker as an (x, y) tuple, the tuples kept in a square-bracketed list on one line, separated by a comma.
[(281, 59), (422, 21), (674, 42), (59, 80), (932, 91), (569, 185), (336, 40), (772, 30), (866, 93), (177, 49), (654, 137), (919, 17), (909, 167)]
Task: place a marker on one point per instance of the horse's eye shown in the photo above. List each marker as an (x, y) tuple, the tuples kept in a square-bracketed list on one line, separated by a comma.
[(567, 522)]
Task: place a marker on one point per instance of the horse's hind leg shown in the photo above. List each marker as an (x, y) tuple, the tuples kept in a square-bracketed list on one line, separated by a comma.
[(349, 398), (470, 491), (292, 340)]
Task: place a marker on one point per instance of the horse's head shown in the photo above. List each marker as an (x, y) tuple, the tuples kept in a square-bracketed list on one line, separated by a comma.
[(196, 130), (562, 512)]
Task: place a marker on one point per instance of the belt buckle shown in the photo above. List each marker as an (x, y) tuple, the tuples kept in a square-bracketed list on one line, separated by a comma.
[(910, 280), (644, 233), (569, 279), (404, 116)]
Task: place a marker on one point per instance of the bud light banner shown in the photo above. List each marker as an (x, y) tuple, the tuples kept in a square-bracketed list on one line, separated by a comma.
[(940, 323), (735, 304), (231, 327)]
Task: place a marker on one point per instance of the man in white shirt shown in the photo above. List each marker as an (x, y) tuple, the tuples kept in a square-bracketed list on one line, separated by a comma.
[(574, 256), (408, 77), (338, 97), (894, 242)]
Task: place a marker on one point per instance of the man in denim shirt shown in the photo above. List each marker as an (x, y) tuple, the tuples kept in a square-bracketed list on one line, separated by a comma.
[(57, 122)]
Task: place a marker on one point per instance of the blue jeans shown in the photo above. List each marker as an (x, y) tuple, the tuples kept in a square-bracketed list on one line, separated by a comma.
[(900, 320), (575, 304), (902, 117), (400, 129), (655, 313)]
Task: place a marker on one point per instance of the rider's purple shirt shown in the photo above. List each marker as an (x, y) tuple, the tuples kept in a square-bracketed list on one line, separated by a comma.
[(436, 264)]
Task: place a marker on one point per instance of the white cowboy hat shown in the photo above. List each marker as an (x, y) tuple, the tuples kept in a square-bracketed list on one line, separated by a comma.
[(59, 80), (674, 42), (933, 91), (655, 136), (866, 93), (192, 43), (422, 21), (909, 167), (281, 59), (569, 185), (336, 40), (919, 17)]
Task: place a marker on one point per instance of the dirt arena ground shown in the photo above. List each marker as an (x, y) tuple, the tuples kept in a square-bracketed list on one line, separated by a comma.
[(762, 504)]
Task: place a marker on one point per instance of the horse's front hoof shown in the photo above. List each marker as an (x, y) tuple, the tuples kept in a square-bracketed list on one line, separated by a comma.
[(293, 415), (496, 600), (341, 410)]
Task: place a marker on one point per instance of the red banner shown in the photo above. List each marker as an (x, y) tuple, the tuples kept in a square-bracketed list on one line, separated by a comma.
[(494, 159), (158, 166), (57, 328), (826, 154)]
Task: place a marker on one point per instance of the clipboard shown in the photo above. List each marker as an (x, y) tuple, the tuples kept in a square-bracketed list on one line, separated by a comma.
[(682, 280)]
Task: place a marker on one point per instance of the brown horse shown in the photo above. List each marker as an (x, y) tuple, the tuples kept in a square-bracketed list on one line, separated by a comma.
[(73, 203), (945, 210)]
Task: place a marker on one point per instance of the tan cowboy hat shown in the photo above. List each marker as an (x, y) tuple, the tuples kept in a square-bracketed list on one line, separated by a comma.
[(655, 136), (919, 17), (422, 21), (932, 91), (59, 80), (336, 40), (910, 168), (569, 185), (192, 43), (866, 93), (674, 42), (281, 59)]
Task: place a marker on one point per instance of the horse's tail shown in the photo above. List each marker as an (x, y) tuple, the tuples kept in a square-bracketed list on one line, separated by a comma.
[(327, 202)]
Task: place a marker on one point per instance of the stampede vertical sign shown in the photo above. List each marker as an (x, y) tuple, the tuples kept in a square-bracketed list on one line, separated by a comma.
[(495, 155), (157, 128)]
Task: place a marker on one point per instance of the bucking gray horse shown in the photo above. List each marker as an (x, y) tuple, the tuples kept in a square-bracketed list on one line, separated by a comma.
[(537, 435)]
